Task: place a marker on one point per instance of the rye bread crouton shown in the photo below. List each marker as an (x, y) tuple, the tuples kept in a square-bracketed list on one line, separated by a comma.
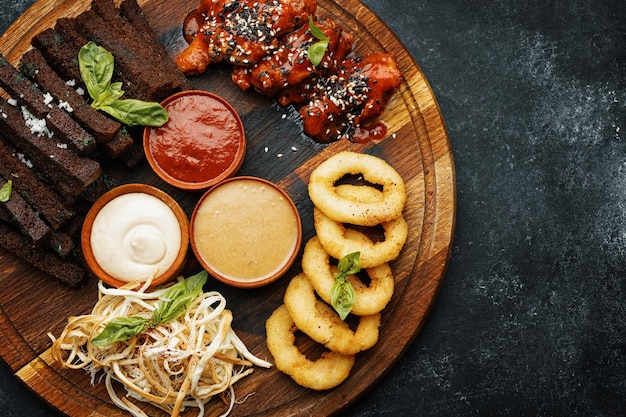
[(63, 269), (61, 54), (42, 106), (29, 185), (22, 215), (60, 242), (145, 45), (116, 148), (107, 132), (68, 172), (35, 67), (139, 81)]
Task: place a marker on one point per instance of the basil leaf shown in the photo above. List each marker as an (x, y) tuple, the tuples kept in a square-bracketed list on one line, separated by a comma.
[(342, 297), (315, 31), (5, 191), (120, 328), (171, 305), (317, 50), (177, 298), (350, 264), (109, 96), (134, 112), (96, 69)]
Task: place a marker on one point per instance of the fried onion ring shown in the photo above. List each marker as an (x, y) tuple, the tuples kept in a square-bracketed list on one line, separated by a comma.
[(325, 373), (359, 193), (340, 241), (343, 209), (321, 323), (369, 300)]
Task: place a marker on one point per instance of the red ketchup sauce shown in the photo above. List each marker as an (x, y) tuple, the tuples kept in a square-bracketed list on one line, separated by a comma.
[(202, 142)]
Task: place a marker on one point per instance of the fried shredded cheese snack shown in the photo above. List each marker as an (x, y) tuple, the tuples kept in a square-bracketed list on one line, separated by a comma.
[(185, 362)]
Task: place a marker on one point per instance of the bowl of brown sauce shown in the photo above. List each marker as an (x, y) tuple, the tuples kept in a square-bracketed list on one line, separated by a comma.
[(246, 232)]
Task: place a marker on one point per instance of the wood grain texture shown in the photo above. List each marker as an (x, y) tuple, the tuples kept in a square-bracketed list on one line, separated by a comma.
[(32, 304)]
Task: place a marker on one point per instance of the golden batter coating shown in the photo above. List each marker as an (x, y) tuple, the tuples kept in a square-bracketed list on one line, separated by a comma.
[(330, 370)]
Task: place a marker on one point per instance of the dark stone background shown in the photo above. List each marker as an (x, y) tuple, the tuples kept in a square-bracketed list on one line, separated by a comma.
[(531, 318)]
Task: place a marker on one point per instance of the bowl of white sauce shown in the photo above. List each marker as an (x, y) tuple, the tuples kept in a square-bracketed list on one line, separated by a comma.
[(135, 233)]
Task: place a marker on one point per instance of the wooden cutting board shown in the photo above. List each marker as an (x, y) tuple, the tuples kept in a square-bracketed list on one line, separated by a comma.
[(33, 304)]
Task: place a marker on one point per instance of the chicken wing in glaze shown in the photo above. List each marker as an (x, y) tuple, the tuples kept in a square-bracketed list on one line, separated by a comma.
[(339, 101), (241, 32), (268, 42), (289, 63)]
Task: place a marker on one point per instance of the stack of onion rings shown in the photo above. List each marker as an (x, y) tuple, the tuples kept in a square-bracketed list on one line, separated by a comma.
[(337, 206)]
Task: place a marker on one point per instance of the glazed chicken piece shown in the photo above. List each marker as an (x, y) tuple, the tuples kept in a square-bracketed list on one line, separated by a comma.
[(241, 32), (289, 63), (340, 101)]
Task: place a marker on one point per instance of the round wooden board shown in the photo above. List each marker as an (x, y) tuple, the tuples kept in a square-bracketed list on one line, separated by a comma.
[(33, 304)]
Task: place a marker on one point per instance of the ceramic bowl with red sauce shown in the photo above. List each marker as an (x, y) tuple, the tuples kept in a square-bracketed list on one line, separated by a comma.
[(202, 143)]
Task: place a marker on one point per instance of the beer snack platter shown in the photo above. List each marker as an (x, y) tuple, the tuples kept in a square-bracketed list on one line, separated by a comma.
[(416, 145)]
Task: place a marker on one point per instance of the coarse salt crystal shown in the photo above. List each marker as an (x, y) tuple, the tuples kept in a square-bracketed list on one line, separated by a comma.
[(23, 160), (47, 98), (65, 106), (37, 126)]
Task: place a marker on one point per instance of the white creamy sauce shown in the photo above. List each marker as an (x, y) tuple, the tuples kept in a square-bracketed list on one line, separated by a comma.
[(135, 236)]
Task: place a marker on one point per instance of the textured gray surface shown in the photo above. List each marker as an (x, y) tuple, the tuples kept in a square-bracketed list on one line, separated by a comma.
[(531, 319)]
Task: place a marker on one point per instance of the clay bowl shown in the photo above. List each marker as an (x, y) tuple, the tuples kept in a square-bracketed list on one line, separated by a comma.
[(246, 232), (202, 143), (129, 225)]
